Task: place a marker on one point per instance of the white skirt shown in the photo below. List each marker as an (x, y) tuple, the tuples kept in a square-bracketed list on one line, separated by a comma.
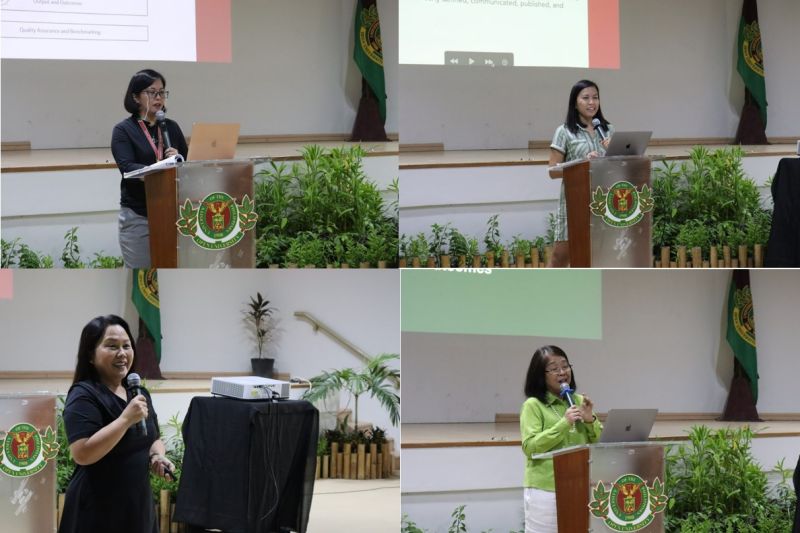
[(540, 511)]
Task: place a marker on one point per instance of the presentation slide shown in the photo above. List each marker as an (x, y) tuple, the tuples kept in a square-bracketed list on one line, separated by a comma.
[(553, 304), (177, 30), (506, 33)]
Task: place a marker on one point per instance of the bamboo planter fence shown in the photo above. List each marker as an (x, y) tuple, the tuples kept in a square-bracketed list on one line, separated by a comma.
[(164, 510), (357, 461), (487, 260), (743, 256), (715, 259)]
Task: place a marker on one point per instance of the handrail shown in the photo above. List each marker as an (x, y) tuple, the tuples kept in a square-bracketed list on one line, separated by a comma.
[(317, 325)]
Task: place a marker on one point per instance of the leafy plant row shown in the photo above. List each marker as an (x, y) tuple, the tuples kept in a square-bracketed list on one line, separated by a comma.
[(324, 211), (17, 254)]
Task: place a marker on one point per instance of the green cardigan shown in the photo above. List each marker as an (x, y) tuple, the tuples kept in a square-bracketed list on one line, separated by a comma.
[(544, 429)]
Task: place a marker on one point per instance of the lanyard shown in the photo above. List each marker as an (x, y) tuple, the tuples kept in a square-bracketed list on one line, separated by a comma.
[(158, 151)]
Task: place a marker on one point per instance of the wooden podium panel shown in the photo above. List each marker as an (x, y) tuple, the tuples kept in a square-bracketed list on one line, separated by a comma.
[(604, 241), (572, 490), (580, 469), (162, 206), (168, 189)]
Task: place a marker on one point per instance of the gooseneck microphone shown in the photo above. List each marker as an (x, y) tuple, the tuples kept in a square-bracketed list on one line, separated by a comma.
[(598, 127), (566, 393), (161, 120), (135, 386)]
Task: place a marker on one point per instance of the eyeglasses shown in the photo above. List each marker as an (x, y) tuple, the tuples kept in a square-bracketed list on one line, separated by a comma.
[(558, 369), (152, 94)]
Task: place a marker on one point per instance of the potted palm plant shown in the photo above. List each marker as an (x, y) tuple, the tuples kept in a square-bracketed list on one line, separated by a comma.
[(258, 315), (375, 379)]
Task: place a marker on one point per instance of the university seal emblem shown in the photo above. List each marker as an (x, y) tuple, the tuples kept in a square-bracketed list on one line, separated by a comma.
[(630, 505), (743, 319), (147, 280), (751, 48), (622, 205), (217, 222), (25, 451), (369, 34)]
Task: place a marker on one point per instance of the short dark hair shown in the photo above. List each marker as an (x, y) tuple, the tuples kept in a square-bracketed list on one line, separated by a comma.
[(535, 385), (139, 82), (573, 119), (91, 336)]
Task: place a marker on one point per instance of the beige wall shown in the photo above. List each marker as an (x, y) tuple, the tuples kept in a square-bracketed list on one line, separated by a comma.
[(678, 78), (292, 72), (663, 346)]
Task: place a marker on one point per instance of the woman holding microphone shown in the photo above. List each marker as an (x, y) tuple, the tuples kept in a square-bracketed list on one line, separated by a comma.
[(110, 488), (548, 423)]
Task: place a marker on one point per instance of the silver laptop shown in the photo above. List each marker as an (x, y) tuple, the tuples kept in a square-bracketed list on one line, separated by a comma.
[(628, 143), (628, 425), (213, 141)]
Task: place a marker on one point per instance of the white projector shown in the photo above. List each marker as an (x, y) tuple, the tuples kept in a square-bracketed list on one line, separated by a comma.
[(250, 388)]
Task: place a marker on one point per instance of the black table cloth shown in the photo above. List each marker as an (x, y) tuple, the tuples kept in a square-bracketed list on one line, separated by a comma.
[(248, 466), (783, 247)]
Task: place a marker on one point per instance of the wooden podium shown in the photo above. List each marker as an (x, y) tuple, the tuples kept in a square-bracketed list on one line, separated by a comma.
[(167, 191), (622, 238), (28, 462), (626, 473)]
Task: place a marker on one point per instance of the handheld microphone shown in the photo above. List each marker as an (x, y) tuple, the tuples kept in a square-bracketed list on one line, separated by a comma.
[(598, 126), (161, 120), (134, 385), (566, 393)]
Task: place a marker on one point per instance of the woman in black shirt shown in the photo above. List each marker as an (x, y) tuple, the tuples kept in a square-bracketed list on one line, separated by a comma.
[(110, 489), (137, 142)]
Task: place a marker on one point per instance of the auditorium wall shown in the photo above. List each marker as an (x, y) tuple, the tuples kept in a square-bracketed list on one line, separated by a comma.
[(201, 315), (292, 73), (663, 346), (678, 78)]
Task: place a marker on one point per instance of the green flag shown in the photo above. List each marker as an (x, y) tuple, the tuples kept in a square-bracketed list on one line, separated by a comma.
[(145, 297), (751, 58), (368, 50), (741, 326)]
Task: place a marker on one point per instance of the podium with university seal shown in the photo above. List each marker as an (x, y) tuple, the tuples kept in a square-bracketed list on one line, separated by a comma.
[(610, 487), (201, 214), (609, 212), (28, 450)]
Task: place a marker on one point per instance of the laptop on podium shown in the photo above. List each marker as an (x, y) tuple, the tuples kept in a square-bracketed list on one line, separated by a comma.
[(213, 141), (628, 425), (628, 143)]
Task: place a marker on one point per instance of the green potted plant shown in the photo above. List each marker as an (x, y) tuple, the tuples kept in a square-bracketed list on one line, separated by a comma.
[(258, 315), (375, 379)]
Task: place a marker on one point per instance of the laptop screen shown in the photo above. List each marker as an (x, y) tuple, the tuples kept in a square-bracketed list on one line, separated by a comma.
[(213, 141), (628, 143), (628, 425)]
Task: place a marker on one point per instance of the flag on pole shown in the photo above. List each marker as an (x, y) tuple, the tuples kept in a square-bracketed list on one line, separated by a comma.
[(741, 334), (368, 51), (750, 66), (145, 298)]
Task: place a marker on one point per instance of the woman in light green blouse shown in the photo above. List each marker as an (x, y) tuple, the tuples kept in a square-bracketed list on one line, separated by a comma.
[(548, 423)]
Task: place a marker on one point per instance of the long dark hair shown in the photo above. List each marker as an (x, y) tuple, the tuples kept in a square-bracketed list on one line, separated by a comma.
[(535, 385), (573, 120), (139, 82), (91, 336)]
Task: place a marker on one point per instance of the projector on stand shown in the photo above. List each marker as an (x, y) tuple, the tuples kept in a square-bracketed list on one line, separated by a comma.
[(250, 388)]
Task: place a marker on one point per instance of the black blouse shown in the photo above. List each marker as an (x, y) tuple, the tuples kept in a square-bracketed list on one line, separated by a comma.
[(114, 493), (132, 151)]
